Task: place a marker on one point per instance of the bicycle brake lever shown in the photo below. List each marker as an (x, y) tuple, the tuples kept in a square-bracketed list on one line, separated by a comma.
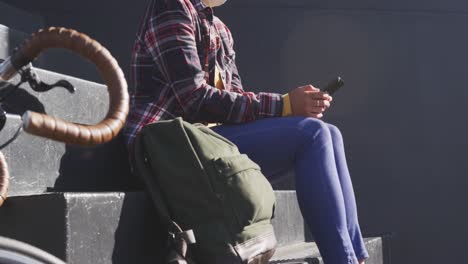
[(3, 118), (43, 87), (37, 85)]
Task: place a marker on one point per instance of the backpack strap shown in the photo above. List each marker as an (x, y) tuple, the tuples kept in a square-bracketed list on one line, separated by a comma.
[(142, 168), (178, 239)]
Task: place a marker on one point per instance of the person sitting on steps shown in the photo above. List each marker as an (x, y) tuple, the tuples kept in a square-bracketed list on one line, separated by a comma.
[(183, 64)]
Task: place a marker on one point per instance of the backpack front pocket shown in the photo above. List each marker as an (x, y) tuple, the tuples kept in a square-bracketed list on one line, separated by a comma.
[(247, 193)]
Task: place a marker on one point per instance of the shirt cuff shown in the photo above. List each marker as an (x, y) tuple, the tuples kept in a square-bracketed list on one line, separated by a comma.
[(287, 110), (271, 105)]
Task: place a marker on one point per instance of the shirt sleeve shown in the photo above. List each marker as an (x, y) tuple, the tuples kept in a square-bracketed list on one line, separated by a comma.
[(170, 38)]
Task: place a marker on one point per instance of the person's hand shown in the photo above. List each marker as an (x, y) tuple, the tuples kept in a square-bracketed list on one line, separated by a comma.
[(309, 101)]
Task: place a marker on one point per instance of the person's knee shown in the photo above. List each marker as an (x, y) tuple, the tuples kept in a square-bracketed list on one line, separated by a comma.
[(316, 131), (335, 132)]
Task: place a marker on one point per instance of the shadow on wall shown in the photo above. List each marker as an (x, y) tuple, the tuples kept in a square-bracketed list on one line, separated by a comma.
[(99, 168), (18, 101), (139, 238)]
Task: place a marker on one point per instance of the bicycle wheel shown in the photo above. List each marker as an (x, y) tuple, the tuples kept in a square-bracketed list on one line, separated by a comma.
[(16, 252)]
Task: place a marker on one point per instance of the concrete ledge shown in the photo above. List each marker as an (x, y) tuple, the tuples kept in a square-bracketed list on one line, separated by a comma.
[(109, 227), (308, 253), (9, 39), (123, 228), (38, 165), (85, 228)]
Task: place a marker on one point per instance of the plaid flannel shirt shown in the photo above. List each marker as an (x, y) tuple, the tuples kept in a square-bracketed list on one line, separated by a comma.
[(178, 46)]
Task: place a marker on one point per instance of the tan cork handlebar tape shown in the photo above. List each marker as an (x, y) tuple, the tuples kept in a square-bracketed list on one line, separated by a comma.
[(58, 129), (4, 179)]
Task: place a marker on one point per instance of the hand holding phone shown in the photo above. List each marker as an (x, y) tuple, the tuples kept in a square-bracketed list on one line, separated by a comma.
[(333, 86)]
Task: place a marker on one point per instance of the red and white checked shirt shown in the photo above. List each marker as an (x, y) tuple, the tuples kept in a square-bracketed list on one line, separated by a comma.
[(177, 48)]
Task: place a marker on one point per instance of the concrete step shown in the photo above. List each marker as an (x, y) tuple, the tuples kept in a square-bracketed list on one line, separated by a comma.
[(38, 165), (85, 227), (307, 252), (9, 39), (122, 227), (288, 222)]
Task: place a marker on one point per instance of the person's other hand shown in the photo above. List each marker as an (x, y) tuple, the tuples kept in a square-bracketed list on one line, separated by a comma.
[(309, 101)]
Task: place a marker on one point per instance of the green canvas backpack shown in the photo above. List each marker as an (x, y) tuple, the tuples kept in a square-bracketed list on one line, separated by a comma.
[(214, 201)]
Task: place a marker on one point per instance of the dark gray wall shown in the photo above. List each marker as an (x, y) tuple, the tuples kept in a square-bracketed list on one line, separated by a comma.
[(112, 23), (20, 19), (402, 110)]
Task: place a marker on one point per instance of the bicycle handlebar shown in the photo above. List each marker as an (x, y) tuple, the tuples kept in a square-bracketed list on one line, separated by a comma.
[(4, 179), (58, 129)]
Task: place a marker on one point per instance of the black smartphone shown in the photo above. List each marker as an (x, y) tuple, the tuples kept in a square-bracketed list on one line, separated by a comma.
[(333, 86)]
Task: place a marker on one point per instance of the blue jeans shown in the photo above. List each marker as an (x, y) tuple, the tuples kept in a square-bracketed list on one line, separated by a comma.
[(315, 151)]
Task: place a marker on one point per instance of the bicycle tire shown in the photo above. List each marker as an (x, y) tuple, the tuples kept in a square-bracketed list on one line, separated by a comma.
[(17, 252)]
